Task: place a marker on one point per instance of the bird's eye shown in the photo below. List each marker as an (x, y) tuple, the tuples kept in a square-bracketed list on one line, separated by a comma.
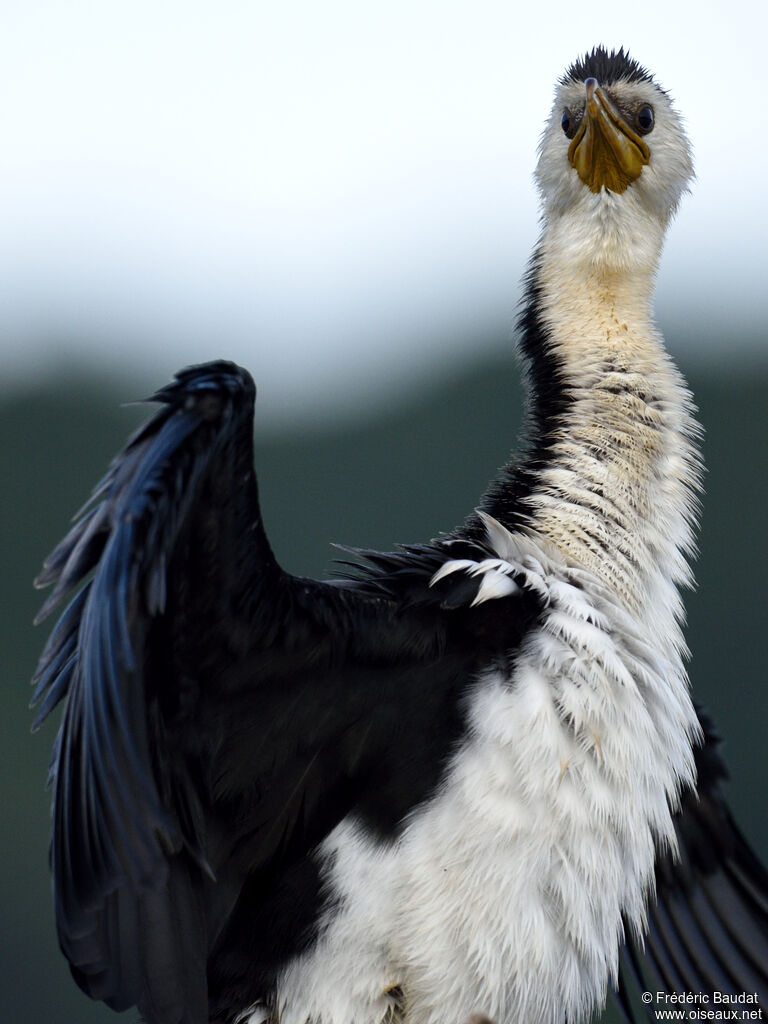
[(565, 121), (645, 119)]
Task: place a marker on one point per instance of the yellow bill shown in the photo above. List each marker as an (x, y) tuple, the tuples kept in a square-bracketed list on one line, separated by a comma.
[(605, 151)]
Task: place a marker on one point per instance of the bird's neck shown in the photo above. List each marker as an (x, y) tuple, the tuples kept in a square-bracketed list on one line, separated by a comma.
[(612, 471)]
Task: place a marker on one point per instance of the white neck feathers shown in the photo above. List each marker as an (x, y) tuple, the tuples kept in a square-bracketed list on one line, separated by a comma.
[(617, 493)]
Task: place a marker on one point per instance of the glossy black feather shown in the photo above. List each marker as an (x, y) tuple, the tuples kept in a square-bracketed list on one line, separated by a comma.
[(222, 717), (708, 925), (608, 67)]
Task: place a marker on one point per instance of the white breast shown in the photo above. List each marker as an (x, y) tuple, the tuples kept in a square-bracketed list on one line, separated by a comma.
[(505, 894)]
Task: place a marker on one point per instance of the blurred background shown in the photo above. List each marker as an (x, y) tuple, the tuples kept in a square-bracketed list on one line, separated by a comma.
[(339, 197)]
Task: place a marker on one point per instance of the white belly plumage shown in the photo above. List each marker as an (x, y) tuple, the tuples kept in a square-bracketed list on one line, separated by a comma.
[(505, 893)]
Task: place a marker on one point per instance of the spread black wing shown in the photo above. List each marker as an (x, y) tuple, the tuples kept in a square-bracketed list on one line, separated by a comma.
[(708, 925), (221, 716)]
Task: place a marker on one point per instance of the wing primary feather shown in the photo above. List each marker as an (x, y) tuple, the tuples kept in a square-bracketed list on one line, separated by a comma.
[(116, 841), (749, 876), (55, 688), (630, 988), (66, 626), (708, 925), (684, 958)]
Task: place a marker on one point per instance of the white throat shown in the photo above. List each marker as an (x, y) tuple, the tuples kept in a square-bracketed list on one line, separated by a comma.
[(618, 493)]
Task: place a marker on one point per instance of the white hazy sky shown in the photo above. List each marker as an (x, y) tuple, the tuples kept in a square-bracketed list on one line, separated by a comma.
[(335, 189)]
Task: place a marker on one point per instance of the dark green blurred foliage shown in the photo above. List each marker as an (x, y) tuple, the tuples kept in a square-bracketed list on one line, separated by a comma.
[(404, 474)]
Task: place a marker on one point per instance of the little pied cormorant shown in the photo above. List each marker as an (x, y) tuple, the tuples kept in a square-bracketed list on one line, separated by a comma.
[(445, 787)]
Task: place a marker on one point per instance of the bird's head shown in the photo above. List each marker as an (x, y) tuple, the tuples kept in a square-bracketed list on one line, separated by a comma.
[(614, 161)]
